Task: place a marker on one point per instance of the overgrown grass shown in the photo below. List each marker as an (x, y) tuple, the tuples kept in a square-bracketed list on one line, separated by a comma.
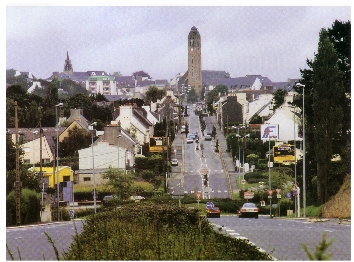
[(312, 211), (156, 232)]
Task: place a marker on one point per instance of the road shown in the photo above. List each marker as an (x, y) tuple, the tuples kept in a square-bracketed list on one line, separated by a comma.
[(283, 238), (194, 163), (33, 244)]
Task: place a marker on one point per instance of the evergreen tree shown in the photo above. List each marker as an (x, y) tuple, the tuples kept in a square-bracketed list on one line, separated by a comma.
[(328, 116)]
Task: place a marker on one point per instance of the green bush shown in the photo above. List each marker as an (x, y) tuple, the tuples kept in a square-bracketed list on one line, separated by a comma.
[(149, 231), (30, 207)]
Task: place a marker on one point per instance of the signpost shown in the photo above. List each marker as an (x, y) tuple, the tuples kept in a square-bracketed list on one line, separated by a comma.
[(197, 196)]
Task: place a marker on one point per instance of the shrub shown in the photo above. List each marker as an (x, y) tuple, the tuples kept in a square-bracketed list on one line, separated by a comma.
[(30, 207), (152, 231)]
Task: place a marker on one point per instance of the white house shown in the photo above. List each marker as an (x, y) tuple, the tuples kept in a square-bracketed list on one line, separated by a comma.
[(135, 121)]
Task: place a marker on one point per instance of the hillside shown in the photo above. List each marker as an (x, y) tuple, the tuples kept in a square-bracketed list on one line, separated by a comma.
[(339, 206)]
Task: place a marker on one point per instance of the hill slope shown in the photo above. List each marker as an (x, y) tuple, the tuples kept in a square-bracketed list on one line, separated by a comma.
[(339, 206)]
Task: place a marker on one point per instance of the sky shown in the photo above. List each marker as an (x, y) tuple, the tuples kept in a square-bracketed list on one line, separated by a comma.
[(272, 41)]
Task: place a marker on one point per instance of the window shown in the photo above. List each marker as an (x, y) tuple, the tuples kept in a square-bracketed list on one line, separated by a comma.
[(87, 178), (66, 178)]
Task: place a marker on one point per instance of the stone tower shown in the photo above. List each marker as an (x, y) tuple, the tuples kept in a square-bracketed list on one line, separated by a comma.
[(68, 68), (195, 60)]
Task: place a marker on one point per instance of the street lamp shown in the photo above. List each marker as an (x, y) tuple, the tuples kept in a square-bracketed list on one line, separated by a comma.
[(243, 156), (297, 197), (93, 165), (57, 156), (119, 136), (304, 147), (34, 133)]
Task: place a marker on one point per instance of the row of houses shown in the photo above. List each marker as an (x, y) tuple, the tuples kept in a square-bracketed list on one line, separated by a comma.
[(235, 110), (116, 146)]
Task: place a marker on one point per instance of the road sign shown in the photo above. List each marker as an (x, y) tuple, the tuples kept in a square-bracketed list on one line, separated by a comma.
[(198, 195), (209, 205), (288, 195), (270, 192), (278, 190), (71, 213), (278, 195), (243, 181), (248, 195)]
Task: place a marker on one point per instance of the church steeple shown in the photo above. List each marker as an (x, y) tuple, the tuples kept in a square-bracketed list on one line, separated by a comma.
[(68, 68)]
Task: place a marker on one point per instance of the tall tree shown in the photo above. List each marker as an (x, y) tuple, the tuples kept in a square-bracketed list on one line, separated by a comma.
[(340, 36), (278, 98), (328, 116)]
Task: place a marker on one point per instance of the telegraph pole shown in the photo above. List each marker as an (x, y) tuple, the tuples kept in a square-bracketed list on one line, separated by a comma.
[(18, 182)]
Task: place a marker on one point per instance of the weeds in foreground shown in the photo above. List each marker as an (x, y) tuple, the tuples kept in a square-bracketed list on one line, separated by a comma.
[(321, 248)]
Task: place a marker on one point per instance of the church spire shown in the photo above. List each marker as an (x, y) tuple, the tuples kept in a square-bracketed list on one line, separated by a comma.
[(68, 68)]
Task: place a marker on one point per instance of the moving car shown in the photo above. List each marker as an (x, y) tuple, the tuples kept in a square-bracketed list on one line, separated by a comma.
[(190, 140), (174, 162), (249, 210), (213, 212), (193, 136), (208, 138)]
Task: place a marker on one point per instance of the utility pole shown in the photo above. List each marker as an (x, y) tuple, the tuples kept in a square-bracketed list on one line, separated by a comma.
[(18, 181)]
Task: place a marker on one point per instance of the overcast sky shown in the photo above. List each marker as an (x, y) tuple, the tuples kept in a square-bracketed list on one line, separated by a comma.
[(270, 41)]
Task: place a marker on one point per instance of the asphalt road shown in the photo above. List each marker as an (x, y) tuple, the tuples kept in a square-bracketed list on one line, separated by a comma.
[(31, 243), (283, 238)]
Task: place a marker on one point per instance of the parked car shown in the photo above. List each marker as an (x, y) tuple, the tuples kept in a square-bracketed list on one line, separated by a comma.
[(249, 210), (174, 162), (183, 129), (208, 138), (137, 198), (213, 212), (108, 200)]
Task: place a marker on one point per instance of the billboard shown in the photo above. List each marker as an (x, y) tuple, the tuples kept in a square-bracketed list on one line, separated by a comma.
[(158, 144), (269, 132)]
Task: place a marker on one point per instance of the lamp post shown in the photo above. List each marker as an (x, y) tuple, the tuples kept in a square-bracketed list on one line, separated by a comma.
[(297, 203), (57, 156), (93, 165), (34, 133), (304, 148), (119, 136)]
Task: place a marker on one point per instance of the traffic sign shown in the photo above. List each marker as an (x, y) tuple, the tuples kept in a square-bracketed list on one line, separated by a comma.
[(248, 195), (288, 195), (278, 195), (71, 213), (209, 205), (243, 181), (198, 195)]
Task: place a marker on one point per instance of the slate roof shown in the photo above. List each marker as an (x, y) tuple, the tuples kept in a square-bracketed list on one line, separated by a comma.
[(49, 132), (141, 115)]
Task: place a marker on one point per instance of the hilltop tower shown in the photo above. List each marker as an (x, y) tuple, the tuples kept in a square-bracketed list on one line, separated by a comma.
[(68, 68), (194, 78)]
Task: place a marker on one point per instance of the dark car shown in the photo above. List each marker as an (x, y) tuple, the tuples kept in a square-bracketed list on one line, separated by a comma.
[(249, 210), (213, 212)]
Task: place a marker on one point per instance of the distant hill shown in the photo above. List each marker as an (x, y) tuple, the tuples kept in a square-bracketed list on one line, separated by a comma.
[(339, 206)]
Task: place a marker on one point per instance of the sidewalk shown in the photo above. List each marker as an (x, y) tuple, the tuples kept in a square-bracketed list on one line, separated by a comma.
[(226, 158)]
